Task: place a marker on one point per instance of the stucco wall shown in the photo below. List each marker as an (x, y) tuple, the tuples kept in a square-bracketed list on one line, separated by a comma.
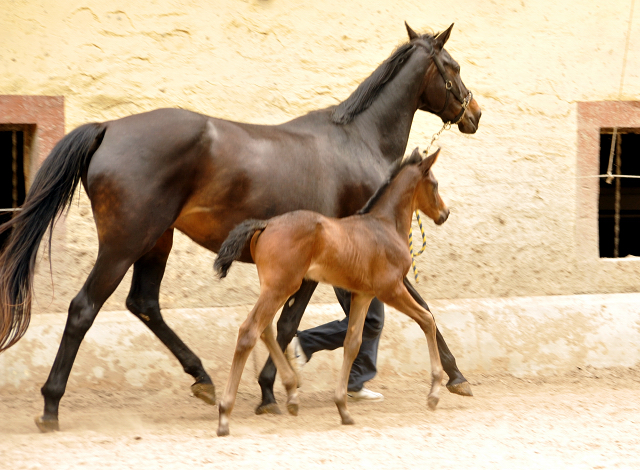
[(523, 336), (511, 186)]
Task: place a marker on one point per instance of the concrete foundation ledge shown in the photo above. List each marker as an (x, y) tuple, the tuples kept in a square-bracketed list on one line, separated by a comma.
[(521, 335)]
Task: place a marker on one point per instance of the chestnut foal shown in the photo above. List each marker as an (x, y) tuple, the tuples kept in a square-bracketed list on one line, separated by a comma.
[(366, 253)]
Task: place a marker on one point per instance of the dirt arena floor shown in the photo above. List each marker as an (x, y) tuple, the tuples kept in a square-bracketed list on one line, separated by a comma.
[(589, 419)]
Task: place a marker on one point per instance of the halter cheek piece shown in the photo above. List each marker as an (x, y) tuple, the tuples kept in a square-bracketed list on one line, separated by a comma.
[(451, 89)]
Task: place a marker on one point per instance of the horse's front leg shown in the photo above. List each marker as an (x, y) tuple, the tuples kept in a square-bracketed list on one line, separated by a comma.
[(288, 324), (359, 306), (457, 383)]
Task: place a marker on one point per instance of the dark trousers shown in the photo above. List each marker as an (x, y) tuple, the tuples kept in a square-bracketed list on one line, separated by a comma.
[(331, 336)]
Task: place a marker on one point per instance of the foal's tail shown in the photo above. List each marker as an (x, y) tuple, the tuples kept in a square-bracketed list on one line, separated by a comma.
[(51, 192), (233, 246)]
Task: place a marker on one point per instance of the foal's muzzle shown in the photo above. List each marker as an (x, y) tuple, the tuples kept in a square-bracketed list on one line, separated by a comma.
[(444, 215)]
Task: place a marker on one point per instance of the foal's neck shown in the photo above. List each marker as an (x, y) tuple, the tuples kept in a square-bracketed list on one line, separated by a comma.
[(396, 205), (391, 114)]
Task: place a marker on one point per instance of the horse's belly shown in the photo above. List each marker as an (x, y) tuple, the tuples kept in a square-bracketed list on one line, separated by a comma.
[(318, 273)]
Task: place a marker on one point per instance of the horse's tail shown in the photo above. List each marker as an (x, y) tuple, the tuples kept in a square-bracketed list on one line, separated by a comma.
[(51, 192), (233, 246)]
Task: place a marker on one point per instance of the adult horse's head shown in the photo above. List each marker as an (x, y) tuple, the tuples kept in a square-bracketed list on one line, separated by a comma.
[(444, 94)]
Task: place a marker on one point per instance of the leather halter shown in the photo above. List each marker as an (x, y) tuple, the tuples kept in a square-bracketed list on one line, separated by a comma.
[(451, 87)]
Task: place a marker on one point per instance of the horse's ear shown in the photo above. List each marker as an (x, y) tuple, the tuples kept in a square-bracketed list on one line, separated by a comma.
[(443, 37), (428, 162), (415, 156), (412, 34)]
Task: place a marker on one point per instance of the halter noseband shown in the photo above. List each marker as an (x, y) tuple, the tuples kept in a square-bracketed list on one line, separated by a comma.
[(450, 87)]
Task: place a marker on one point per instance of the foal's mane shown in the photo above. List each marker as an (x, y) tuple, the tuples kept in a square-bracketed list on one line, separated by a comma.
[(370, 88), (413, 159)]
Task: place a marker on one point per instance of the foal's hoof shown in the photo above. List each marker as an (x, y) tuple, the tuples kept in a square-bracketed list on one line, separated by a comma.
[(462, 388), (223, 431), (205, 392), (292, 408), (268, 409), (348, 420), (47, 425), (432, 403)]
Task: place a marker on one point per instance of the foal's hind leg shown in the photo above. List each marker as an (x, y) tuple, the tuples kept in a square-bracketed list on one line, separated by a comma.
[(287, 375), (288, 324), (457, 383), (401, 300), (105, 276), (253, 327), (359, 306), (143, 303)]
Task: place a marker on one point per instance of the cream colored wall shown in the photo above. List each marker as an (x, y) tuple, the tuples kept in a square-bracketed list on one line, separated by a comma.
[(527, 62)]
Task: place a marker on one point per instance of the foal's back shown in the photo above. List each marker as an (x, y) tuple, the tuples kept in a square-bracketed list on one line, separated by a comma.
[(360, 253)]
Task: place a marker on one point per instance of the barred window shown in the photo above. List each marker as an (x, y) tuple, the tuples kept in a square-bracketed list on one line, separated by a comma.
[(619, 201)]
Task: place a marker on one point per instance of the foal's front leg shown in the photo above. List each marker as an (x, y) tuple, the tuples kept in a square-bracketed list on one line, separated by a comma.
[(359, 306), (402, 301), (457, 383)]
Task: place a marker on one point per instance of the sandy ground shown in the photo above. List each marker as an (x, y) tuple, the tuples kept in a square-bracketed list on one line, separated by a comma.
[(589, 419)]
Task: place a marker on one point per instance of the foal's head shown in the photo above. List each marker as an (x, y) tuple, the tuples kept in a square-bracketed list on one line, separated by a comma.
[(426, 195)]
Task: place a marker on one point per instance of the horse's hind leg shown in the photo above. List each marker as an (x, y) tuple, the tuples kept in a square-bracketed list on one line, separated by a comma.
[(143, 302), (287, 327), (457, 383), (353, 340), (105, 276)]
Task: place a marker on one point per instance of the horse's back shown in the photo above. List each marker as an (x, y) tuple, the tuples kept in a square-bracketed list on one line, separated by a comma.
[(145, 167)]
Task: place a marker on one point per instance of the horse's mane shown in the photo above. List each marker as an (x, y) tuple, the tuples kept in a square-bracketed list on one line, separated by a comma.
[(413, 159), (370, 88)]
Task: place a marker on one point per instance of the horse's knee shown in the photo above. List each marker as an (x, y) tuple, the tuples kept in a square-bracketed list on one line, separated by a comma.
[(353, 343)]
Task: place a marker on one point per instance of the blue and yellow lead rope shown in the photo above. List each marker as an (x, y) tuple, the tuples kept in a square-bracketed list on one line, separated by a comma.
[(424, 245)]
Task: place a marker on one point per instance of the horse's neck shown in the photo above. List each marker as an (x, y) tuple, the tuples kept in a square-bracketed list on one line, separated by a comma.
[(396, 204), (391, 114)]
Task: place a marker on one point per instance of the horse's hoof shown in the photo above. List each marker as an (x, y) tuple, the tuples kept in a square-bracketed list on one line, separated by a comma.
[(268, 409), (47, 425), (348, 420), (462, 388), (223, 431), (292, 408), (432, 403), (205, 392)]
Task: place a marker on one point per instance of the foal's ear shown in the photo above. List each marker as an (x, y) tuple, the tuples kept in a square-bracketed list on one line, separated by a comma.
[(412, 34), (428, 162), (443, 37)]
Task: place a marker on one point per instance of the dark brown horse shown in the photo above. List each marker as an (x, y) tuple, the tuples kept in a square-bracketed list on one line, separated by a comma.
[(366, 254), (167, 169)]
